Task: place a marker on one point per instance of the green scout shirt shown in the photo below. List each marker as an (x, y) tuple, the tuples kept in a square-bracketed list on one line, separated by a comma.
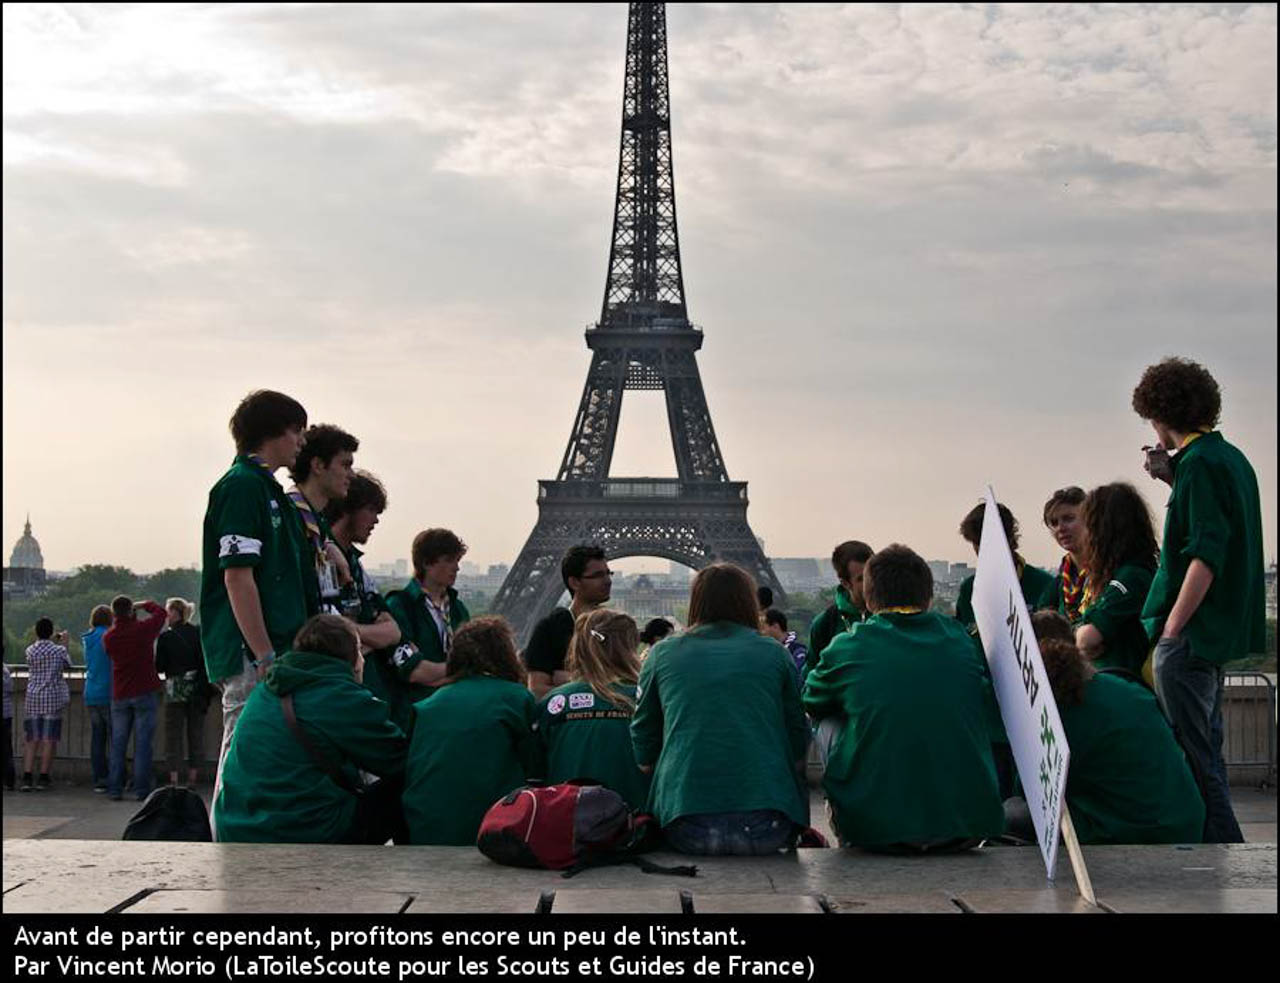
[(839, 616), (913, 763), (472, 744), (1035, 584), (310, 567), (1213, 515), (1128, 781), (272, 790), (1117, 614), (380, 677), (250, 522), (409, 608), (585, 736), (719, 718)]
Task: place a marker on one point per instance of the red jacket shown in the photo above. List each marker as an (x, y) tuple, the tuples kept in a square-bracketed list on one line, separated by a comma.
[(130, 645)]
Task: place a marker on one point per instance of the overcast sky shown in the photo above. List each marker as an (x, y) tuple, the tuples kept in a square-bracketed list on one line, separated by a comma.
[(930, 248)]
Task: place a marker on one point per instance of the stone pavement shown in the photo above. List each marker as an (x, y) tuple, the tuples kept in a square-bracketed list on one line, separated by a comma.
[(62, 853)]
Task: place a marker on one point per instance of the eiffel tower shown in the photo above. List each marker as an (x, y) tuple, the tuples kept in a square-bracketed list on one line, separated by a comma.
[(643, 341)]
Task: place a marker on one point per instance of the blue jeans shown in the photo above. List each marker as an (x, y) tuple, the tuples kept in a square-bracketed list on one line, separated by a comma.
[(735, 834), (1190, 693), (99, 742), (124, 714)]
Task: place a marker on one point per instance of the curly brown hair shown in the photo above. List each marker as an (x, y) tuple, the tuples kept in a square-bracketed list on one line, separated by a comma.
[(1046, 624), (1068, 671), (1118, 532), (485, 647), (1179, 393)]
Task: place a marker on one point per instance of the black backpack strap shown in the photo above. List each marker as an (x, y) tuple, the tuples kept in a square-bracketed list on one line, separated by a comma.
[(327, 766), (648, 866)]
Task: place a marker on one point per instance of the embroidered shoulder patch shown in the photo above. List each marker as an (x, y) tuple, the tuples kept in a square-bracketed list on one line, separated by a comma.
[(556, 703), (403, 654), (581, 701), (233, 545), (1119, 586)]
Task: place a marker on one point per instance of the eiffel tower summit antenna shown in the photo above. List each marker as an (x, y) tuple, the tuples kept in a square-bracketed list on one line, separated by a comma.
[(643, 341)]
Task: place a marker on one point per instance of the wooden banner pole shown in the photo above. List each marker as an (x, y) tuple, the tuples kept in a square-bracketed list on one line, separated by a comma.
[(1078, 868)]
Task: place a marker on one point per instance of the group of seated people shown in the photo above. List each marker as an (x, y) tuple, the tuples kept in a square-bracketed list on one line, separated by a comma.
[(710, 730)]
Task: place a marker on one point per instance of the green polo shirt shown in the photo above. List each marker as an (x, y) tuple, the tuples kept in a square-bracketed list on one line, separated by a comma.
[(839, 616), (720, 721), (364, 604), (472, 743), (273, 791), (1117, 614), (584, 735), (417, 625), (1128, 781), (1213, 515), (913, 762), (1035, 584), (250, 522)]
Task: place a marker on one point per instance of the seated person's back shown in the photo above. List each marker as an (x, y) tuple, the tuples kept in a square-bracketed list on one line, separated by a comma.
[(912, 765), (473, 740), (273, 788), (585, 725)]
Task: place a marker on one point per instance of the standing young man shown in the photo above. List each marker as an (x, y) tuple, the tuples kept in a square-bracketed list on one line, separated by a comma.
[(322, 474), (253, 597), (1206, 605), (849, 606), (429, 611), (130, 645), (589, 580), (353, 520)]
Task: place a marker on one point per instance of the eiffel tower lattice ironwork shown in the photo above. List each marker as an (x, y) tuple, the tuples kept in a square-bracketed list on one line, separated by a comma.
[(644, 340)]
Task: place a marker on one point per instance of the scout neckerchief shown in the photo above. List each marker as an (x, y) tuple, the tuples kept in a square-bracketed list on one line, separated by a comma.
[(310, 521), (900, 610), (1074, 587), (1191, 438), (262, 464), (446, 631), (846, 609)]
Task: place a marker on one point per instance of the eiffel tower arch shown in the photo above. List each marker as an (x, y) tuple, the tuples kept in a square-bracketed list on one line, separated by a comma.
[(643, 341)]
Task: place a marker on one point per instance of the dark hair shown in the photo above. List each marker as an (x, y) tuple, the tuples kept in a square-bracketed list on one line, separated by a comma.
[(723, 592), (971, 525), (44, 628), (121, 606), (575, 562), (328, 634), (1071, 495), (764, 596), (431, 544), (1179, 393), (851, 551), (775, 617), (897, 577), (324, 442), (1068, 671), (656, 629), (100, 617), (262, 415), (1046, 624), (1118, 531), (485, 647), (365, 491)]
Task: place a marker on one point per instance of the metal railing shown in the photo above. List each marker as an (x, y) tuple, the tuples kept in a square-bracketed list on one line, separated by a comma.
[(1249, 727)]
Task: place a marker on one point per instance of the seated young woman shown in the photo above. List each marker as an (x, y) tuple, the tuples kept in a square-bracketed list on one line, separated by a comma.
[(1062, 519), (911, 767), (1128, 782), (473, 740), (718, 721), (1120, 556), (585, 725), (279, 787)]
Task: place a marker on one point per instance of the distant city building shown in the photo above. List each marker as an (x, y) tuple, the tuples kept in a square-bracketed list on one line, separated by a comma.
[(799, 573), (678, 571), (645, 596), (25, 575), (959, 571), (1269, 580), (941, 570)]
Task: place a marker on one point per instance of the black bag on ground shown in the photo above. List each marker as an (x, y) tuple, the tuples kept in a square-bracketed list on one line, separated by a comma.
[(172, 812)]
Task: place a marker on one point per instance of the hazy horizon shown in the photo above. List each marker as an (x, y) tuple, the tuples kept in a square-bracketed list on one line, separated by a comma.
[(931, 248)]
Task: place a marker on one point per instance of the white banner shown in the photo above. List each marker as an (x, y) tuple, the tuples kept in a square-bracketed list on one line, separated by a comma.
[(1026, 701)]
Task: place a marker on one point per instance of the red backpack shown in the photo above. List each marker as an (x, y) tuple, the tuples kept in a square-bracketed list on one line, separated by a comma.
[(569, 827)]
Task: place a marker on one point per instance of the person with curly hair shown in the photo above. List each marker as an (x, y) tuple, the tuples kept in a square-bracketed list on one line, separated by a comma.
[(1119, 558), (1035, 583), (1128, 781), (473, 740), (585, 725), (1062, 519), (1207, 600)]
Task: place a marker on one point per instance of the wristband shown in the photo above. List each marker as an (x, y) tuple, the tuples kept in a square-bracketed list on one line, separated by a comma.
[(266, 660)]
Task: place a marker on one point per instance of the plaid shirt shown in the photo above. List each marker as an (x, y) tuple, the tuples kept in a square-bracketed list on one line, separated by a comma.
[(47, 692)]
